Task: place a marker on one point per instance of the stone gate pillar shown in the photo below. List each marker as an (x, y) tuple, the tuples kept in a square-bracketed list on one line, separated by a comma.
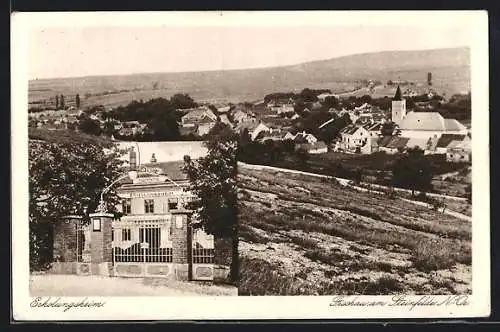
[(65, 245), (101, 250), (181, 244)]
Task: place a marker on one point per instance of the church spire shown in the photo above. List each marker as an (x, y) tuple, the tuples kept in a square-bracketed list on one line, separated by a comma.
[(397, 96)]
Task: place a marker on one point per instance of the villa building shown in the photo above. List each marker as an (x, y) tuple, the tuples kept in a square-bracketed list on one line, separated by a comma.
[(152, 232)]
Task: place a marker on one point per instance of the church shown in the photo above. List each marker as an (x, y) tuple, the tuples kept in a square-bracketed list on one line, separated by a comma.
[(422, 125)]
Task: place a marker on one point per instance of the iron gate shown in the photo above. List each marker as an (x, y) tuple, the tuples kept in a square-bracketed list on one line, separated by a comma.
[(142, 248)]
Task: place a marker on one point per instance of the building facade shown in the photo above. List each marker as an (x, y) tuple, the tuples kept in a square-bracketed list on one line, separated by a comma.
[(152, 233)]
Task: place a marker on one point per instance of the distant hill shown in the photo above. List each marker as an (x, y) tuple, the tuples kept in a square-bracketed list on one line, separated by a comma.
[(450, 72)]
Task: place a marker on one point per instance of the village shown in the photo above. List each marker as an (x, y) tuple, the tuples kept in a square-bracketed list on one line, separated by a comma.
[(315, 121)]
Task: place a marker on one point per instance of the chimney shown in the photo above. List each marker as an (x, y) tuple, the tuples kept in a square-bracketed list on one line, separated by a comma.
[(133, 159), (153, 158)]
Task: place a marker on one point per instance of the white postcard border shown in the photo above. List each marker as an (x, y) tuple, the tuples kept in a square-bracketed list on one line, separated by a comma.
[(276, 307)]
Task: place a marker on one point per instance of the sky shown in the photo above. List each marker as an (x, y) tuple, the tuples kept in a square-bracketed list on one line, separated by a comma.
[(85, 51)]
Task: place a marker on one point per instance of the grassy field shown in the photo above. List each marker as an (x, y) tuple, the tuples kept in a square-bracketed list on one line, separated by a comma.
[(377, 168), (66, 137), (304, 235)]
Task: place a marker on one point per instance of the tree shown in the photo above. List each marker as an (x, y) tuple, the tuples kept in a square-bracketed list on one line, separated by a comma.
[(413, 171), (182, 101), (77, 100), (308, 95), (108, 128), (57, 102), (302, 157), (89, 126), (61, 101), (389, 128), (213, 180), (65, 178)]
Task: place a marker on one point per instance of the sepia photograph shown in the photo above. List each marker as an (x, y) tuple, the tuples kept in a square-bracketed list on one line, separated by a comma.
[(358, 181), (250, 165), (132, 182)]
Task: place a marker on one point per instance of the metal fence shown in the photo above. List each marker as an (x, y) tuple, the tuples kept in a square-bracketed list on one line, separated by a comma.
[(144, 242), (203, 256)]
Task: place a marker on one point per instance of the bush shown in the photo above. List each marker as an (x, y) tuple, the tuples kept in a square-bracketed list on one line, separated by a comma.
[(430, 259), (259, 277), (304, 242)]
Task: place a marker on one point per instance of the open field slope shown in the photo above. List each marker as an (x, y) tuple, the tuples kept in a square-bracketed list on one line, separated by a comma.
[(306, 235), (450, 69), (63, 136)]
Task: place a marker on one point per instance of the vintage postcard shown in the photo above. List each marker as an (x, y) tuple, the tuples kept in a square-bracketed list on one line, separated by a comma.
[(250, 165)]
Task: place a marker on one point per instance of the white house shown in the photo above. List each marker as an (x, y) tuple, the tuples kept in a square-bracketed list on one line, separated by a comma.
[(198, 116), (304, 137), (459, 151), (353, 137)]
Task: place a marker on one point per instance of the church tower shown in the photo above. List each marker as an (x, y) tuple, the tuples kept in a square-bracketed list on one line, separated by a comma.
[(398, 107)]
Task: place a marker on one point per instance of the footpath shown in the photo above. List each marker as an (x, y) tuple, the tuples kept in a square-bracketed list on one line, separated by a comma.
[(347, 183)]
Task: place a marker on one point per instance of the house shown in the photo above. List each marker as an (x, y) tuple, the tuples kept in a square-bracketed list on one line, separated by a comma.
[(198, 116), (253, 127), (363, 107), (272, 135), (288, 136), (370, 146), (323, 96), (445, 140), (374, 129), (281, 109), (353, 137), (459, 151), (313, 148), (304, 137), (239, 116), (393, 144)]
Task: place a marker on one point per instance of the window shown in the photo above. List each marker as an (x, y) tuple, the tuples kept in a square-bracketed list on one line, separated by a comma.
[(126, 234), (127, 206), (149, 206), (173, 203)]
